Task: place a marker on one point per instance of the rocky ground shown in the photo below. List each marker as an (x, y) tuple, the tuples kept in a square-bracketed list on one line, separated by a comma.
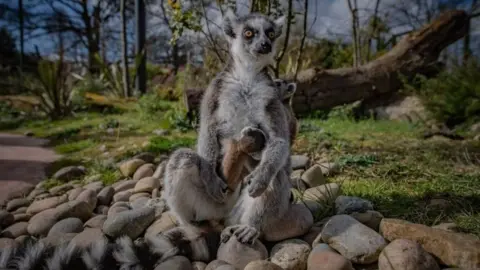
[(348, 232)]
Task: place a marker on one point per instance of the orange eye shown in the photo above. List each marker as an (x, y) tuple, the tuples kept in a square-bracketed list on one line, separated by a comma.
[(271, 34), (248, 34)]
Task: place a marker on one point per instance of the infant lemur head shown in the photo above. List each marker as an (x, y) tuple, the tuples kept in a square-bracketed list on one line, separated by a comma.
[(285, 89), (252, 37)]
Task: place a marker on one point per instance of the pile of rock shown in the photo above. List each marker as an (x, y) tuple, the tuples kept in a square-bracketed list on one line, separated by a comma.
[(356, 237)]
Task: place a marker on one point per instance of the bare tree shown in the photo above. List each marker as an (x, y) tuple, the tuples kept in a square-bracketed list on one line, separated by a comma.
[(287, 38), (126, 77), (467, 52), (353, 7), (302, 42), (373, 30)]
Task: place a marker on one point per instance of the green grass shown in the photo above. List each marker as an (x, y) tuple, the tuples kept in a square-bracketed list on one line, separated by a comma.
[(388, 163)]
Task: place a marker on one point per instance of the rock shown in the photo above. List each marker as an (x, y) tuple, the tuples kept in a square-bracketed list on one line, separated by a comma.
[(59, 239), (129, 167), (146, 170), (15, 230), (73, 194), (43, 196), (6, 219), (159, 205), (477, 138), (60, 190), (159, 172), (290, 254), (139, 202), (101, 210), (131, 222), (166, 222), (88, 237), (439, 203), (215, 264), (89, 196), (77, 209), (118, 207), (299, 162), (145, 156), (323, 257), (21, 217), (161, 132), (7, 243), (329, 168), (226, 267), (147, 184), (262, 265), (475, 128), (370, 218), (312, 234), (122, 196), (199, 265), (41, 223), (69, 173), (239, 255), (20, 192), (96, 222), (68, 225), (352, 239), (175, 263), (139, 195), (296, 222), (94, 186), (124, 185), (323, 193), (39, 206), (349, 204), (313, 177), (450, 248), (452, 227), (34, 193), (17, 203), (105, 196), (22, 239), (406, 254), (156, 193), (21, 210)]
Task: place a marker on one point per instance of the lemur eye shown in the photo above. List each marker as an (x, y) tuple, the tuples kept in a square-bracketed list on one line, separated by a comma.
[(271, 34), (248, 33)]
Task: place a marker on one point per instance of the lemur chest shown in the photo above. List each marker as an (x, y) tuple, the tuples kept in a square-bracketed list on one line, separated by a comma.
[(243, 106)]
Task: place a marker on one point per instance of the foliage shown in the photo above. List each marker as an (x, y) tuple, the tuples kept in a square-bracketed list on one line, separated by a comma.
[(182, 19), (161, 144), (151, 106), (452, 97)]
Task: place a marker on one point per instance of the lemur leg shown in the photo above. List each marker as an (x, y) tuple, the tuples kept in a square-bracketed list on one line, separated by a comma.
[(186, 188)]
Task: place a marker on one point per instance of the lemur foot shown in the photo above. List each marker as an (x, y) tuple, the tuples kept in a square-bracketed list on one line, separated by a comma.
[(245, 234)]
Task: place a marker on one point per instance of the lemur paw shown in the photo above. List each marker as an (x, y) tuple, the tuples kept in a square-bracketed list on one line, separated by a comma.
[(246, 234), (227, 233), (256, 186)]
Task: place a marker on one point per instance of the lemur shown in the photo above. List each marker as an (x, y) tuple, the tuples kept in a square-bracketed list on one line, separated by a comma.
[(286, 91), (241, 97)]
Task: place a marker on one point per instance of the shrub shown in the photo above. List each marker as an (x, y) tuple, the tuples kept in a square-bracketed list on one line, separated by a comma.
[(452, 97), (151, 105)]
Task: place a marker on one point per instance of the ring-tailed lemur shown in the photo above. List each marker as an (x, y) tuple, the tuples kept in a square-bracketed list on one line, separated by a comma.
[(242, 96), (286, 92)]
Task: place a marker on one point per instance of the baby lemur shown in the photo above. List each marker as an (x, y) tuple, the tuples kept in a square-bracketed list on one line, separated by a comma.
[(286, 91), (241, 97)]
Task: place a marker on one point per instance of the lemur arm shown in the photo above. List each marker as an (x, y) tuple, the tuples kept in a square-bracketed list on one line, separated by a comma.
[(208, 146), (277, 149)]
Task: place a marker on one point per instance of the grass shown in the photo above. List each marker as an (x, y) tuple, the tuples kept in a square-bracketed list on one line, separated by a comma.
[(387, 162)]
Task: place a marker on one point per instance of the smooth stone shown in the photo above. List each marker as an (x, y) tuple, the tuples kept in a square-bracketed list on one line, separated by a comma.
[(22, 217), (312, 234), (406, 254), (296, 222), (145, 156), (453, 249), (199, 265), (175, 263), (105, 196), (451, 227), (101, 210), (41, 223), (350, 204), (324, 193), (239, 255), (22, 239), (323, 257), (159, 205), (95, 222), (129, 167), (69, 173), (139, 195), (21, 210), (262, 265), (213, 265), (313, 177), (68, 225), (77, 209), (122, 196), (7, 243), (49, 203), (352, 239), (17, 203), (59, 190), (6, 219), (58, 239), (147, 184), (124, 185), (160, 170), (88, 237), (156, 193), (89, 196), (117, 209), (43, 196), (166, 222), (291, 254), (131, 222), (94, 186), (34, 193), (146, 170), (299, 162), (139, 202), (329, 168), (15, 230), (73, 194), (370, 218)]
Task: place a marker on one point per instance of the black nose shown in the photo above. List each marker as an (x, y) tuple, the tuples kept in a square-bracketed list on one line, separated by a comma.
[(266, 47)]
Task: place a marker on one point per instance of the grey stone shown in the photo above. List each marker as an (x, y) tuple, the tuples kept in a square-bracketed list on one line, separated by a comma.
[(88, 237), (89, 196), (147, 184), (290, 254), (73, 194), (96, 222), (68, 225), (123, 196), (131, 222), (299, 162), (313, 177), (349, 204), (239, 255), (41, 223), (78, 209), (146, 170), (175, 263), (6, 219), (94, 186), (48, 203), (129, 167), (105, 196), (17, 203), (69, 173), (323, 257), (406, 254), (15, 230), (124, 185), (21, 217), (59, 190)]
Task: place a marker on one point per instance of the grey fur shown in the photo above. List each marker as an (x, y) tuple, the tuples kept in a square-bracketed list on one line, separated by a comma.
[(242, 96)]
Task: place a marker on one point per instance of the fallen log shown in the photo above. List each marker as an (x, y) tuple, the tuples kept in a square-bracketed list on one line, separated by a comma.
[(416, 53)]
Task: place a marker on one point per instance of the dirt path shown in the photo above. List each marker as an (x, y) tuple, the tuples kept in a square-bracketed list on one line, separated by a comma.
[(22, 164)]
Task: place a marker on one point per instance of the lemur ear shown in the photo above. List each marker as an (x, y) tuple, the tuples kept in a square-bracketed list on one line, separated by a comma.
[(291, 88), (279, 23), (229, 23)]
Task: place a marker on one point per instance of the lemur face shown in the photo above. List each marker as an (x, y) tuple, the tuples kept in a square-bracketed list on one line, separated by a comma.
[(285, 89), (253, 35)]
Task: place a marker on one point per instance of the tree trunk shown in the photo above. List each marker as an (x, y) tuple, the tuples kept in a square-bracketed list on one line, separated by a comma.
[(415, 53), (141, 77), (126, 77)]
